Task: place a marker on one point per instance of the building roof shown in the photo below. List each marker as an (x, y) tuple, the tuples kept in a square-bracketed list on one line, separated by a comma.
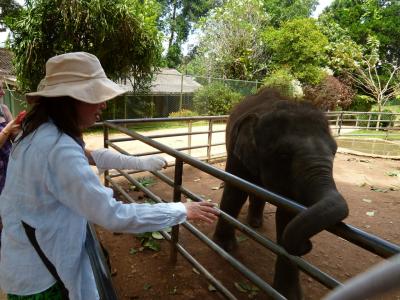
[(166, 81), (169, 81)]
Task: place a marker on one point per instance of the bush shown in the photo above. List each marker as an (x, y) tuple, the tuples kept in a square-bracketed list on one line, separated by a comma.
[(215, 99), (285, 83), (388, 120), (329, 94), (361, 103), (182, 113)]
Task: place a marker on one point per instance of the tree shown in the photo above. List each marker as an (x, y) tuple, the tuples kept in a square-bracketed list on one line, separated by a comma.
[(377, 78), (7, 8), (121, 33), (215, 99), (329, 94), (342, 52), (281, 11), (231, 44), (176, 21), (300, 46), (363, 18)]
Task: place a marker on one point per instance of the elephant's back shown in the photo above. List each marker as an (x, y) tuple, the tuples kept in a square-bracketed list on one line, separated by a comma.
[(260, 103)]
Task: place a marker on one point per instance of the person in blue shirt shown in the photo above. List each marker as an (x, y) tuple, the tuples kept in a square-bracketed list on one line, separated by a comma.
[(51, 192)]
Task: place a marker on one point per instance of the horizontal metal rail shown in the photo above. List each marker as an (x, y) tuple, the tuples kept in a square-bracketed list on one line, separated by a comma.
[(308, 268), (365, 240), (356, 236), (239, 266)]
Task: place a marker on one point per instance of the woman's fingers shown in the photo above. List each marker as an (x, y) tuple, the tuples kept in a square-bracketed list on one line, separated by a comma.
[(204, 211)]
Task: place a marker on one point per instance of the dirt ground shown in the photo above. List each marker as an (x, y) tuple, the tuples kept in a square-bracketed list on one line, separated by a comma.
[(371, 187)]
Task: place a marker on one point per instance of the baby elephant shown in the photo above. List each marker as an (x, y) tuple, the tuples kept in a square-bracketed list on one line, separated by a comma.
[(286, 147)]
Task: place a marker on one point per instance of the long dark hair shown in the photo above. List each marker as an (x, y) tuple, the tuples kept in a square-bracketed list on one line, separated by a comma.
[(61, 110)]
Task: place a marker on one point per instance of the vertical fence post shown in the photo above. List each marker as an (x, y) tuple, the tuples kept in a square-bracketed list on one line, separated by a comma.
[(177, 198), (105, 140), (125, 113), (340, 123), (190, 124), (209, 140), (369, 120), (337, 124)]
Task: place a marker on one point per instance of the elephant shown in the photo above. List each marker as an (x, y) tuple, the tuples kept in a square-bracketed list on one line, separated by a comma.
[(285, 146)]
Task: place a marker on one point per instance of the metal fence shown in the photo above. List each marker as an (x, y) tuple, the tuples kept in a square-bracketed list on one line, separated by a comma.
[(384, 125), (352, 234)]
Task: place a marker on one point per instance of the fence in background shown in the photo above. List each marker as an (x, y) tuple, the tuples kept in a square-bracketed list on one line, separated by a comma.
[(384, 125), (171, 93), (354, 235)]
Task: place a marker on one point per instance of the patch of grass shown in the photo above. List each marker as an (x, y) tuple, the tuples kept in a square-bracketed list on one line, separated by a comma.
[(393, 108)]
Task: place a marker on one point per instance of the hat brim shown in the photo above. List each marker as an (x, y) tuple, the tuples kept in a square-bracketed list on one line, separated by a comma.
[(91, 91)]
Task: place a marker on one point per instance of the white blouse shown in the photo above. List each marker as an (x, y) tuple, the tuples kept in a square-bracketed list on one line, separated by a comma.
[(51, 187)]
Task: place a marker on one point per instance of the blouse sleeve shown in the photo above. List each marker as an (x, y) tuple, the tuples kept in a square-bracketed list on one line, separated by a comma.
[(70, 178)]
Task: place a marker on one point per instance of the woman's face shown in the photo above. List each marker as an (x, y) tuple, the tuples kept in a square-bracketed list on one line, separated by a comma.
[(88, 114)]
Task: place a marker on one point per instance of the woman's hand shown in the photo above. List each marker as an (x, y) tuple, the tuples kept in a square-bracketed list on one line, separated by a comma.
[(11, 129), (204, 211)]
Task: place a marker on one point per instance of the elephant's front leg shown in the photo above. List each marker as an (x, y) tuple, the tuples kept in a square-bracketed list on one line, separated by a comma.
[(231, 203), (286, 280), (255, 215)]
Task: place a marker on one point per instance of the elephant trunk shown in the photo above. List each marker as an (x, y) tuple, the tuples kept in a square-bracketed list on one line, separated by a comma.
[(326, 207)]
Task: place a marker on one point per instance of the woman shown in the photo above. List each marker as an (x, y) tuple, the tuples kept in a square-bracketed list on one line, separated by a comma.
[(51, 191)]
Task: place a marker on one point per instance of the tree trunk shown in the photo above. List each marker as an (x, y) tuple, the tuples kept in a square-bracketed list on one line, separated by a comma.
[(173, 27)]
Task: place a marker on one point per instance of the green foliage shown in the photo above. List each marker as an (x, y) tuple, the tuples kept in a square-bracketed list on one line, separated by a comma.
[(365, 17), (121, 33), (231, 45), (176, 21), (285, 10), (285, 82), (182, 113), (148, 242), (215, 99), (342, 52), (8, 8), (361, 103), (299, 45)]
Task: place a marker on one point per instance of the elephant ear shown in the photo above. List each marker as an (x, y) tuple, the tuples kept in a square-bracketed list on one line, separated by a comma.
[(244, 142)]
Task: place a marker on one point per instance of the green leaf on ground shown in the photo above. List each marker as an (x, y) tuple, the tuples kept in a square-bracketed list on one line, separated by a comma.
[(393, 173), (247, 288), (173, 291), (379, 190), (152, 244), (211, 288), (156, 235), (147, 286), (241, 238), (133, 251)]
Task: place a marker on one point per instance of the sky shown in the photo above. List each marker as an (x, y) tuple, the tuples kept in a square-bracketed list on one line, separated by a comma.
[(192, 40)]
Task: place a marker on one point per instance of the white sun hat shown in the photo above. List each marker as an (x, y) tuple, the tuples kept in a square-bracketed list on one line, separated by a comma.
[(78, 75)]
